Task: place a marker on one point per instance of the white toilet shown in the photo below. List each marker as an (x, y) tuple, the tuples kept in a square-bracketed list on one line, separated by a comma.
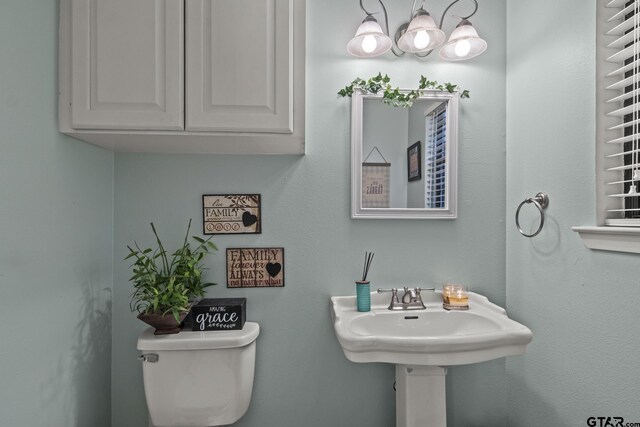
[(198, 379)]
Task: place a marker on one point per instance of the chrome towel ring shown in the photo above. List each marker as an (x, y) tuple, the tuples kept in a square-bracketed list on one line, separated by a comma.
[(541, 201)]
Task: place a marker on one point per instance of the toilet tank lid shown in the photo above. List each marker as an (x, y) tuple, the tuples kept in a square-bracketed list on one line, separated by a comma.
[(199, 340)]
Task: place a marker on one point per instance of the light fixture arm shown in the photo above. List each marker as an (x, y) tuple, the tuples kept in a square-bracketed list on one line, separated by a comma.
[(365, 10), (461, 17), (413, 9), (384, 10)]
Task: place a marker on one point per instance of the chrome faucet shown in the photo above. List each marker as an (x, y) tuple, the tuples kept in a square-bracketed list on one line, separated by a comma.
[(410, 295), (411, 299)]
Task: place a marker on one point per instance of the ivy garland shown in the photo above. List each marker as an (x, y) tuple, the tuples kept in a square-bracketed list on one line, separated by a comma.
[(393, 96)]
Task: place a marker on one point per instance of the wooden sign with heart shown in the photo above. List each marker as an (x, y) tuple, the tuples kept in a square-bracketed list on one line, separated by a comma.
[(255, 267), (231, 214)]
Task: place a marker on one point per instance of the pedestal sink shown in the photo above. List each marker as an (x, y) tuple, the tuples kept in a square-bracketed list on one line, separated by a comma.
[(422, 343)]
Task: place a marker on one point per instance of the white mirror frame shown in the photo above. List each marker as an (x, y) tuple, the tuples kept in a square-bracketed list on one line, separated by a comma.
[(450, 210)]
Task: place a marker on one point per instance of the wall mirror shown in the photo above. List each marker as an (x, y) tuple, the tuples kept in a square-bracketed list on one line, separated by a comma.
[(404, 160)]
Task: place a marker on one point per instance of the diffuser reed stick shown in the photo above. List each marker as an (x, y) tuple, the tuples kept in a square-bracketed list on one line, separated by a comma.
[(368, 257)]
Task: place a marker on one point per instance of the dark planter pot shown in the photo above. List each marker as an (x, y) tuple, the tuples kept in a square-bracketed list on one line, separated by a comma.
[(164, 324)]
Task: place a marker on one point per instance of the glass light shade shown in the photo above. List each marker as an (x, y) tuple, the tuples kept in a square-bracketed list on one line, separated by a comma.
[(422, 34), (369, 40), (464, 43)]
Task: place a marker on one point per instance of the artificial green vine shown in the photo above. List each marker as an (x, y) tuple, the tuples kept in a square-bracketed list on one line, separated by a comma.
[(393, 96)]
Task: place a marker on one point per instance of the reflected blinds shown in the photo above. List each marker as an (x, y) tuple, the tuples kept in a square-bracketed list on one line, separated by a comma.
[(435, 158), (622, 75)]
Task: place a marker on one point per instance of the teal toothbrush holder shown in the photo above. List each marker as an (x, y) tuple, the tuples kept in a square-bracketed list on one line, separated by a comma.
[(363, 296)]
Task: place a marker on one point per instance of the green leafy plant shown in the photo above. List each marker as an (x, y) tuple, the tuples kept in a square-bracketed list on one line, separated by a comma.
[(394, 96), (165, 283)]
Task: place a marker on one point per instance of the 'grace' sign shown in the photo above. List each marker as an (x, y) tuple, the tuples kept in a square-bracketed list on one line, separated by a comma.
[(219, 314)]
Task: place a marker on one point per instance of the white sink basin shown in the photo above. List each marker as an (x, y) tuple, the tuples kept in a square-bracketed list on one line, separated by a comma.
[(431, 337)]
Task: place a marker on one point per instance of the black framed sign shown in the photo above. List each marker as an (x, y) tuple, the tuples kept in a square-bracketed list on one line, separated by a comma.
[(216, 314), (231, 214), (414, 162)]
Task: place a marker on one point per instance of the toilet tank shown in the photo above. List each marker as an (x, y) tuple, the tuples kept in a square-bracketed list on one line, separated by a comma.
[(198, 378)]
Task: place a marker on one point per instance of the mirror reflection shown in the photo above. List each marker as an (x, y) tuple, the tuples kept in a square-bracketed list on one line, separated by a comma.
[(404, 159)]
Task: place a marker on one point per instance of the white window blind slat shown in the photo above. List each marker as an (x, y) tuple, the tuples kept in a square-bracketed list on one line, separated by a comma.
[(622, 55), (627, 67), (624, 125), (627, 81), (621, 196), (624, 96), (623, 153), (621, 41), (624, 167), (619, 182), (623, 139), (621, 14), (623, 210), (621, 28), (623, 111), (617, 3)]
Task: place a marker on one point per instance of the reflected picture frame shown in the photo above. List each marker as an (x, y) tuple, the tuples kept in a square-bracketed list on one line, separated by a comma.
[(414, 166)]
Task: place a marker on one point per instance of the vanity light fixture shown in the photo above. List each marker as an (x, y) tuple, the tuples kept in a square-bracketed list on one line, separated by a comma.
[(419, 36)]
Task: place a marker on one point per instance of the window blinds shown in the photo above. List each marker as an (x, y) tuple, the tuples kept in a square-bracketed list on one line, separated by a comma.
[(435, 158), (622, 84)]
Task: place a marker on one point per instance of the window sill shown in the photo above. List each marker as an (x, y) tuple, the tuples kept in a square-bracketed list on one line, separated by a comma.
[(618, 239)]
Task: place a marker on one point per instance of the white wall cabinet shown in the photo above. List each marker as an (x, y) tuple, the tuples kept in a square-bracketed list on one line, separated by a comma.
[(127, 64), (184, 76)]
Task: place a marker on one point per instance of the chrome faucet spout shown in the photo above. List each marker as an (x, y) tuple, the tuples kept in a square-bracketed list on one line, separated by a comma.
[(410, 295)]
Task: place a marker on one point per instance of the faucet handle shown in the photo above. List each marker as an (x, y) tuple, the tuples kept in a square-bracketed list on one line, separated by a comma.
[(418, 290), (394, 295)]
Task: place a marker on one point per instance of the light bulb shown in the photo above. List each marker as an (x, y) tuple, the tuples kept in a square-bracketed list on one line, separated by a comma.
[(462, 48), (369, 43), (421, 39)]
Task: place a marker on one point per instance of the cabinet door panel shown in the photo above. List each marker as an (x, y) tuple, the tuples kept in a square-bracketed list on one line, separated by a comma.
[(128, 64), (239, 65)]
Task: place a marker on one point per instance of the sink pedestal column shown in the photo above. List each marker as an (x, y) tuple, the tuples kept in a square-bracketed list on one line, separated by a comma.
[(420, 396)]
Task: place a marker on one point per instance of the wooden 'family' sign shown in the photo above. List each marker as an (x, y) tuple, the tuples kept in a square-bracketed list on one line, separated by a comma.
[(231, 214), (255, 267)]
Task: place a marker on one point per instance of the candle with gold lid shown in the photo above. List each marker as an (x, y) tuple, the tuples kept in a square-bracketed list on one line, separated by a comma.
[(455, 297)]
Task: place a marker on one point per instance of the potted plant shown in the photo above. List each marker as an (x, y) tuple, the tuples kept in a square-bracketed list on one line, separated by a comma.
[(166, 285)]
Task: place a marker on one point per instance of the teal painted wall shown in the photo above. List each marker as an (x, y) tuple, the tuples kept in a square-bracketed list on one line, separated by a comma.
[(56, 225), (582, 305), (302, 377)]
